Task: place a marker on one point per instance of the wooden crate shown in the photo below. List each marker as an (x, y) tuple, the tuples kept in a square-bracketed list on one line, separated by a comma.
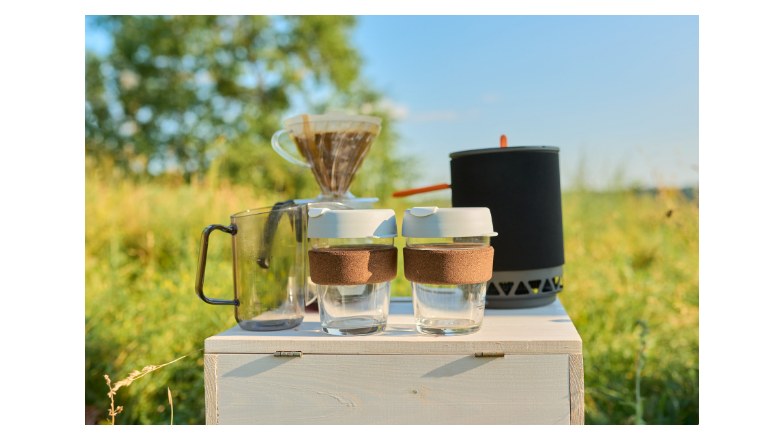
[(400, 376)]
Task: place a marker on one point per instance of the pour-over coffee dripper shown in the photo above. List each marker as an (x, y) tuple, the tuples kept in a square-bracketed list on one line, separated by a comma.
[(333, 146)]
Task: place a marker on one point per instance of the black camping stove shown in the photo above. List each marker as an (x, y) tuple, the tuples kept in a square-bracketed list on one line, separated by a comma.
[(522, 188)]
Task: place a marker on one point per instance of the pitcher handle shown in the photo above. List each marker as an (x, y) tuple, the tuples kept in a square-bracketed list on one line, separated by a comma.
[(205, 239), (283, 153)]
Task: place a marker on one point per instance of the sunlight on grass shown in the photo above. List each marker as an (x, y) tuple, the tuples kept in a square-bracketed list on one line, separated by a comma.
[(626, 260)]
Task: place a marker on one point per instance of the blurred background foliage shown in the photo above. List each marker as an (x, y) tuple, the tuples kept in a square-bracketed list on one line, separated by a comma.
[(178, 118), (177, 96)]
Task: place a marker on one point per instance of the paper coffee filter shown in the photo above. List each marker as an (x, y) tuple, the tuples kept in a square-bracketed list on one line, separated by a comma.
[(334, 116), (334, 145)]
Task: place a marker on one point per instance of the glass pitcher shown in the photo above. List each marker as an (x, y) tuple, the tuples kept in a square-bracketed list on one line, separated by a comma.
[(269, 248)]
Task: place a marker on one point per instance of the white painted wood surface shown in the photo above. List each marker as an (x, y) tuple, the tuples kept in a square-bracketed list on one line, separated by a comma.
[(393, 389), (211, 387), (577, 389), (371, 380), (544, 330)]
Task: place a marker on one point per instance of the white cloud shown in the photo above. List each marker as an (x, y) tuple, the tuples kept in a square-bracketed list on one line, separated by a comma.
[(445, 115), (491, 98), (436, 115), (396, 110)]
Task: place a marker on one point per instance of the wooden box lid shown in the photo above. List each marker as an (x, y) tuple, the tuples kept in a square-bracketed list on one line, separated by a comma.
[(544, 330)]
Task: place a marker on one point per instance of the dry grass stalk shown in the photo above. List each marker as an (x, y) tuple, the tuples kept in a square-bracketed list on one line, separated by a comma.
[(112, 391), (171, 406), (133, 376)]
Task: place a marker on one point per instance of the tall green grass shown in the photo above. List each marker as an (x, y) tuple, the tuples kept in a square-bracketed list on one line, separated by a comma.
[(627, 260)]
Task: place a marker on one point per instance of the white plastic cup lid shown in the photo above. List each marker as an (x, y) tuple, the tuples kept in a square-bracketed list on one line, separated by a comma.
[(351, 224), (448, 222)]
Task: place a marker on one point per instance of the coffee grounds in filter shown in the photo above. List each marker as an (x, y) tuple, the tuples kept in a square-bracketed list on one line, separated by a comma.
[(448, 267), (335, 151), (356, 267)]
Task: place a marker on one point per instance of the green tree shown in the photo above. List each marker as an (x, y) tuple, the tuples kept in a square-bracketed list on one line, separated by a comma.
[(179, 94)]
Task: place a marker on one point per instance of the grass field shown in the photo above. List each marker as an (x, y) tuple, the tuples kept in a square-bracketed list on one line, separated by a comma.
[(632, 262)]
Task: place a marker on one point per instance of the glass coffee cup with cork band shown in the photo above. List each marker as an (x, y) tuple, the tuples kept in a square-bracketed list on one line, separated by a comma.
[(352, 263), (448, 260)]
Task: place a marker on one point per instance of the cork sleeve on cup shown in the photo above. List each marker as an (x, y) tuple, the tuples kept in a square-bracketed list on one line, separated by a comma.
[(331, 267), (448, 267)]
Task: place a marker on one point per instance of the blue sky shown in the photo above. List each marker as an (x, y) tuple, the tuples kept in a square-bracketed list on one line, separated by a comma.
[(620, 93)]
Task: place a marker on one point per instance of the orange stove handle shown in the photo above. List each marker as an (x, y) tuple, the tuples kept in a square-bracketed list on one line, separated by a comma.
[(411, 191)]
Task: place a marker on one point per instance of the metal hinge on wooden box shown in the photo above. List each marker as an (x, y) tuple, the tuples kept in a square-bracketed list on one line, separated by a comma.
[(288, 354), (489, 354), (524, 367)]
